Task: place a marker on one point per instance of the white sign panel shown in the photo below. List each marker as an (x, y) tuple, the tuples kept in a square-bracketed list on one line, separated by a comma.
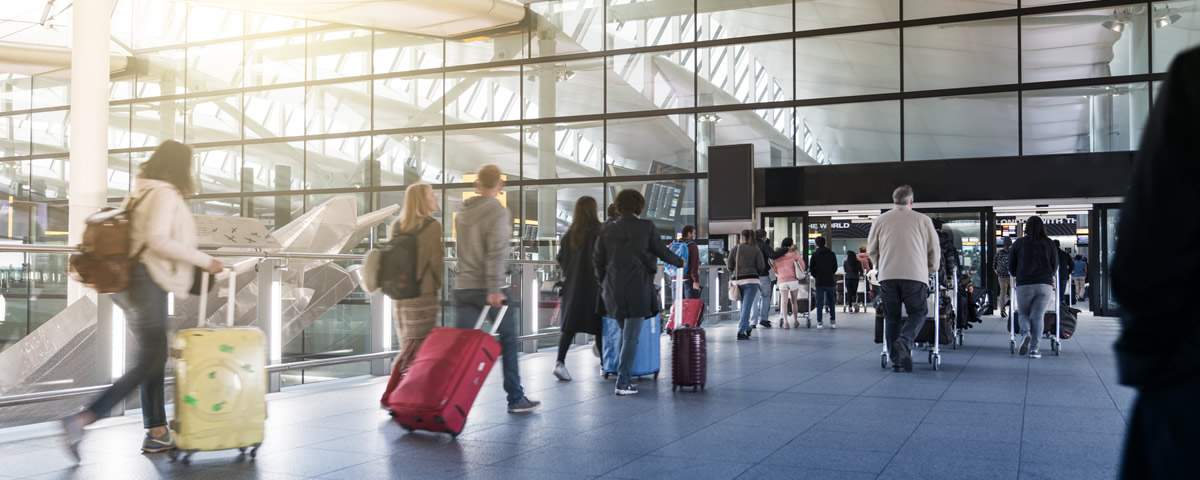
[(217, 232)]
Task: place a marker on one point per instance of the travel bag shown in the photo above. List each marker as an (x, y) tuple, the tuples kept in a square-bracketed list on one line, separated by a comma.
[(445, 377), (648, 352), (220, 384), (1070, 318), (689, 358), (686, 311)]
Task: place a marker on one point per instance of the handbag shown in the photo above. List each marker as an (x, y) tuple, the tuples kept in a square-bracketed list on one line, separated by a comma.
[(735, 293), (197, 274)]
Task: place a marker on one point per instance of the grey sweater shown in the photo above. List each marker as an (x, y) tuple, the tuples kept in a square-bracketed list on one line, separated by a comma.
[(484, 228), (746, 261)]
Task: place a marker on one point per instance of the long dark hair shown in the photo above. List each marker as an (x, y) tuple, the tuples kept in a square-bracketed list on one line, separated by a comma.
[(1035, 229), (171, 163), (585, 221)]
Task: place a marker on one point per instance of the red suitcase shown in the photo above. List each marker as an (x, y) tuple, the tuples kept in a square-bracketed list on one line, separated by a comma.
[(692, 313), (445, 377), (689, 358)]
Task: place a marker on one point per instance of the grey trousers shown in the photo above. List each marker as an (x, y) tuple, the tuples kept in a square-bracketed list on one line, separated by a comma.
[(1033, 301)]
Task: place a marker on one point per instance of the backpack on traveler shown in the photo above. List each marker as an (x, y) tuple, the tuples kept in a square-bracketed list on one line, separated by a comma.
[(393, 266), (680, 249), (104, 262)]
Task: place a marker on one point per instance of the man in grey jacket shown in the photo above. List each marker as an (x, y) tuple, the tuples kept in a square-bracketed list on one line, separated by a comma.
[(904, 246), (484, 228)]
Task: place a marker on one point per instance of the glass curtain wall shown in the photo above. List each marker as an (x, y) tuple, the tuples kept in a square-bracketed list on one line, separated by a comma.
[(586, 98)]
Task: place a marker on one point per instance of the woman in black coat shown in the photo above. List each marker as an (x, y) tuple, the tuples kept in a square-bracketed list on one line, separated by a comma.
[(625, 265), (580, 292)]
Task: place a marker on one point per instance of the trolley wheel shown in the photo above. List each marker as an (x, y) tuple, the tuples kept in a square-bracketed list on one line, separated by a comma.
[(254, 451), (656, 376), (1054, 345), (701, 387), (407, 428), (606, 375), (931, 357), (1012, 347), (674, 387), (937, 360), (808, 322), (883, 360)]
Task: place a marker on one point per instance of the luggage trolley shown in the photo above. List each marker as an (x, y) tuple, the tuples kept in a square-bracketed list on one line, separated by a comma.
[(1055, 340), (959, 331), (934, 349)]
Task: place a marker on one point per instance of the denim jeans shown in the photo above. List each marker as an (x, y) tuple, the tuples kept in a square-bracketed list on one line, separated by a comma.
[(145, 307), (1032, 303), (912, 295), (631, 329), (827, 298), (749, 297), (468, 304), (688, 291), (765, 294)]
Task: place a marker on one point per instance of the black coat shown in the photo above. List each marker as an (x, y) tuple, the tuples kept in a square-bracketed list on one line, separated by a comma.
[(1160, 334), (625, 264), (580, 292), (823, 265)]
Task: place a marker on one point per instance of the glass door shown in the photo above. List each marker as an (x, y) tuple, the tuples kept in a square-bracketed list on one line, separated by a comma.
[(1104, 303)]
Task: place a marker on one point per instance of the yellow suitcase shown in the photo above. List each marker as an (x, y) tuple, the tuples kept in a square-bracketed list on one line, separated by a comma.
[(220, 385)]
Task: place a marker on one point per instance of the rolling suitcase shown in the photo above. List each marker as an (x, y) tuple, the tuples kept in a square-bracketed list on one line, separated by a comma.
[(692, 312), (689, 358), (648, 351), (220, 384), (445, 377)]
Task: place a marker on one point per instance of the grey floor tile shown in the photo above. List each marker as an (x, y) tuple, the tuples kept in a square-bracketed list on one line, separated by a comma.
[(656, 467), (402, 467), (288, 437), (728, 443), (949, 469), (770, 472), (498, 473), (237, 474), (800, 454), (519, 434), (884, 441), (1060, 471), (310, 462), (616, 442), (570, 461), (466, 451)]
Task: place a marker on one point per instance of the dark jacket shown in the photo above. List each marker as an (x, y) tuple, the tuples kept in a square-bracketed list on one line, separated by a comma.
[(624, 264), (580, 293), (1066, 265), (768, 256), (746, 262), (1033, 261), (853, 268), (823, 265)]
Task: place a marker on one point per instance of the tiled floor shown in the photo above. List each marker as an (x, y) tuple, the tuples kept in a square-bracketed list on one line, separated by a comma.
[(787, 404)]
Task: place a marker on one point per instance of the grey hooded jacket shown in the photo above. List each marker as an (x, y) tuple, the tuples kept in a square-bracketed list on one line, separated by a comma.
[(484, 229)]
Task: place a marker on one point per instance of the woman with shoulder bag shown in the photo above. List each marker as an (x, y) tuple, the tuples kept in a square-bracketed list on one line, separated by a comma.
[(416, 317), (163, 237), (745, 261), (854, 272), (580, 293), (789, 267)]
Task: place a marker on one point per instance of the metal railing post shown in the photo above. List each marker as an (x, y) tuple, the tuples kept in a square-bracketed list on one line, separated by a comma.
[(380, 338)]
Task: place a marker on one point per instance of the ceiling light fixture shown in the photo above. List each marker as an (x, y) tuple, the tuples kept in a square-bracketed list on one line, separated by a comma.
[(1114, 25), (709, 117), (1166, 19)]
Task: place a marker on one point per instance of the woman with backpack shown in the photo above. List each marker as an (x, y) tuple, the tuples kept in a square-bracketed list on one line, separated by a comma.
[(163, 237), (580, 291), (789, 267), (854, 271), (745, 263), (1033, 264), (415, 317)]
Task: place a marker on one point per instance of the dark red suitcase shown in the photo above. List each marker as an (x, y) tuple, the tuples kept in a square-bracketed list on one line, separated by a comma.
[(689, 358), (445, 377)]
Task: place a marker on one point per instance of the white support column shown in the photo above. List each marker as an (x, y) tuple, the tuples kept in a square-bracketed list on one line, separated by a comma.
[(381, 332), (89, 119)]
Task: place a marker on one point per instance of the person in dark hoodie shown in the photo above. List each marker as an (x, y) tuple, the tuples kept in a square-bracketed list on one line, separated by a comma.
[(1160, 331), (484, 229), (823, 264), (624, 264), (1033, 265)]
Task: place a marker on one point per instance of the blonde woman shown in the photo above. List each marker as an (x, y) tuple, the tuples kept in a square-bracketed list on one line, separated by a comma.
[(415, 317)]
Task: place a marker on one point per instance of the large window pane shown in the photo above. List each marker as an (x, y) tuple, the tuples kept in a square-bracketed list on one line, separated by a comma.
[(960, 127), (154, 123), (401, 52), (259, 23), (339, 53), (168, 76), (564, 88), (408, 159), (641, 24), (214, 67), (486, 50), (15, 92), (467, 150), (651, 81), (225, 207), (852, 64), (652, 145), (51, 132), (572, 26), (1176, 28), (492, 95), (118, 175), (208, 23), (549, 211), (1085, 119), (1074, 45), (119, 132), (960, 55), (345, 107), (740, 74), (49, 91), (941, 8), (849, 133), (720, 20), (157, 23), (273, 167), (338, 163), (273, 211), (15, 131), (275, 60), (48, 180), (818, 14), (407, 102), (214, 119), (218, 169), (769, 130), (275, 113), (564, 150)]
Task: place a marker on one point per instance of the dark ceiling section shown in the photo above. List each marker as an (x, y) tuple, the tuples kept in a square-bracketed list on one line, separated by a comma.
[(972, 179)]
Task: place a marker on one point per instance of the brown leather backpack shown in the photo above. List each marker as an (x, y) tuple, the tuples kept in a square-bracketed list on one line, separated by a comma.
[(104, 262)]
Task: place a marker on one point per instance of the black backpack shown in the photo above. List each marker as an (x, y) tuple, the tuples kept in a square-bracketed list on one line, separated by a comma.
[(398, 264)]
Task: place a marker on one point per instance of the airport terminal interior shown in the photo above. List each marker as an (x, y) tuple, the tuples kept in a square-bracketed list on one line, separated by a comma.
[(310, 118)]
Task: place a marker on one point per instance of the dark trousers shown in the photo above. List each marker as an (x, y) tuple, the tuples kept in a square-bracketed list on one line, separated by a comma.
[(1164, 434), (688, 291), (851, 291), (912, 295), (468, 304), (827, 298), (145, 307), (564, 343)]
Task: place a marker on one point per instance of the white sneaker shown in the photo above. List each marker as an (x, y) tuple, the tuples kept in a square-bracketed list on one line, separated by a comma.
[(819, 326), (1035, 354), (833, 325), (560, 371)]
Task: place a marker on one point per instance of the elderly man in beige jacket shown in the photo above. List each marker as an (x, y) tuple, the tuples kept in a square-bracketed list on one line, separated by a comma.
[(904, 246)]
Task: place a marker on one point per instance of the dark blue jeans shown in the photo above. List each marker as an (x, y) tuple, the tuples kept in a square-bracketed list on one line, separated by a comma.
[(912, 295), (468, 304), (827, 298), (688, 291), (145, 307), (631, 329)]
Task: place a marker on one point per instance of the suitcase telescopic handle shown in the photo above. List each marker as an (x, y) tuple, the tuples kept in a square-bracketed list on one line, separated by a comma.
[(229, 311), (499, 317), (229, 308)]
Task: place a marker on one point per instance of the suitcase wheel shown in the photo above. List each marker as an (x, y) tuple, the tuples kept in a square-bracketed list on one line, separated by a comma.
[(674, 387), (254, 451), (407, 428), (606, 375), (655, 376), (242, 450), (187, 458), (453, 434)]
